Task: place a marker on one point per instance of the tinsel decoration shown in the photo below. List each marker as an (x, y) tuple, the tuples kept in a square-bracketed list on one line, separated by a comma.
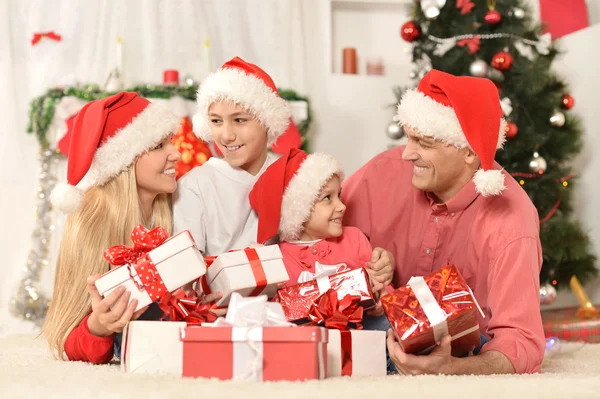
[(28, 303), (542, 45)]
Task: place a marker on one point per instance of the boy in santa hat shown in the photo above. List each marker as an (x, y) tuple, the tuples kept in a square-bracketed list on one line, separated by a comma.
[(239, 109), (442, 199)]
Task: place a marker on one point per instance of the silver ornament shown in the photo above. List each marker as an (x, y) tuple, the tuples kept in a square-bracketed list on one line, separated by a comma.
[(394, 130), (547, 294), (478, 68), (557, 119), (537, 164), (519, 13), (412, 75)]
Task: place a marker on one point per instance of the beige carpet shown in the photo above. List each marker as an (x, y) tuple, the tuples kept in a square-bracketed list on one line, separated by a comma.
[(28, 371)]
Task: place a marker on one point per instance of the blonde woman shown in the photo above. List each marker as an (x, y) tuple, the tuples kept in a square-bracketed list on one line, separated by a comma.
[(120, 148)]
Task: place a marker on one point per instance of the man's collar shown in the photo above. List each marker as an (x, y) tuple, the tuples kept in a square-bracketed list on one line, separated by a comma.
[(460, 201)]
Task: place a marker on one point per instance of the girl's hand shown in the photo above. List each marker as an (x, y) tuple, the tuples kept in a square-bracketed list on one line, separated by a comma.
[(378, 291), (215, 296), (111, 314), (382, 263)]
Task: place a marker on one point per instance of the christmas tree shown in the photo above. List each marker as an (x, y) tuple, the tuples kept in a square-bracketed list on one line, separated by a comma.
[(498, 40)]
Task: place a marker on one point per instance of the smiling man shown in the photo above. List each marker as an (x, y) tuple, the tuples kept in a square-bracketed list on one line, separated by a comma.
[(442, 199)]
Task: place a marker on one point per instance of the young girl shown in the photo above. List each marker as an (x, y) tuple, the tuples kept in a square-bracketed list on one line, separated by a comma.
[(120, 149), (298, 199), (239, 108)]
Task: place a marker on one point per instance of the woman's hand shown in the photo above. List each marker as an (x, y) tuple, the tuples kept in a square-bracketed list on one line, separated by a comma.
[(111, 314), (215, 296)]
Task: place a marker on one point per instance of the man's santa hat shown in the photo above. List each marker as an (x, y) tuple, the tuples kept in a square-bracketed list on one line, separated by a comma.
[(284, 195), (107, 137), (250, 87), (462, 111)]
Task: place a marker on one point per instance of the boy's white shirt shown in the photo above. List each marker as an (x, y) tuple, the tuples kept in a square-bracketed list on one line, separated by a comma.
[(212, 203)]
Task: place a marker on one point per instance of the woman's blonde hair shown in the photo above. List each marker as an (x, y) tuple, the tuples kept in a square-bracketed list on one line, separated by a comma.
[(107, 216)]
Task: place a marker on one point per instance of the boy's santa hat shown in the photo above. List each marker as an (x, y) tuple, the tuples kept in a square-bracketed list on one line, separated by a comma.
[(250, 87), (284, 195), (106, 138), (462, 111)]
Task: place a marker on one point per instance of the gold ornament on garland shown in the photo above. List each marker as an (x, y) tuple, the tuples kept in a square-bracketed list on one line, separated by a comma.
[(587, 310)]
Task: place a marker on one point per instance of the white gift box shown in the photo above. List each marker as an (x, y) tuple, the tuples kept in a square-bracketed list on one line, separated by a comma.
[(152, 346), (232, 272), (178, 261), (367, 353)]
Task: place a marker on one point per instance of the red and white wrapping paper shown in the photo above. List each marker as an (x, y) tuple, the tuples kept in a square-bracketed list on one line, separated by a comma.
[(152, 347), (297, 300), (250, 272), (428, 308), (261, 346), (356, 353), (148, 275)]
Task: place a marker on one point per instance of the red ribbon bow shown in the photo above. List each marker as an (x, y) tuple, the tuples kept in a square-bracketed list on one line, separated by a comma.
[(189, 308), (50, 35), (144, 241), (333, 313), (472, 44)]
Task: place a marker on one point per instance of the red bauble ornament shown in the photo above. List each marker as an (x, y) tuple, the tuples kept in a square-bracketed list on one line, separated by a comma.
[(410, 31), (492, 17), (568, 101), (511, 130), (502, 61)]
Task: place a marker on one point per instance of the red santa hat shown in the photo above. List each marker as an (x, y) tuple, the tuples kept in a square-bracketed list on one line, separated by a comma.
[(284, 195), (462, 111), (106, 138), (249, 86)]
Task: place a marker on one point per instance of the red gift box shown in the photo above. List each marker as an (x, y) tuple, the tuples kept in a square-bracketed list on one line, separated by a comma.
[(257, 353), (428, 308), (565, 324), (297, 300)]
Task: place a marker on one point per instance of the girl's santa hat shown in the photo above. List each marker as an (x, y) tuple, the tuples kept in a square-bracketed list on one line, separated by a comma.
[(284, 195), (107, 137), (249, 86), (462, 111)]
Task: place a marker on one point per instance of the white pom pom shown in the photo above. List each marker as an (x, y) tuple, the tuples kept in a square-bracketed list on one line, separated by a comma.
[(489, 182), (66, 198), (201, 128)]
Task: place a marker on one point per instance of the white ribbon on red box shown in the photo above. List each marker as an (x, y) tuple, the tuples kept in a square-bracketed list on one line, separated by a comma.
[(435, 314)]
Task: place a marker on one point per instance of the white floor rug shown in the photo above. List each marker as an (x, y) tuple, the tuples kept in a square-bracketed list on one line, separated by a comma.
[(28, 371)]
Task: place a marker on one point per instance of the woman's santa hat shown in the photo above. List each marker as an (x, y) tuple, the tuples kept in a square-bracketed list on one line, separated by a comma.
[(462, 111), (250, 87), (284, 195), (107, 137)]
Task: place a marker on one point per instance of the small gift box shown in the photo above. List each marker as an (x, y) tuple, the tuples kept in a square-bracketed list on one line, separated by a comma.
[(566, 324), (297, 300), (155, 265), (428, 308), (152, 347), (349, 352), (251, 272), (254, 343)]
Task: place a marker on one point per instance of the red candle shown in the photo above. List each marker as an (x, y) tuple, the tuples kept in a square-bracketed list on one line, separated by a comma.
[(171, 77), (349, 60)]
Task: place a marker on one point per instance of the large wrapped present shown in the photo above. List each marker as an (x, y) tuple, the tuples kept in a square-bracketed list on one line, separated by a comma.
[(297, 300), (154, 266), (356, 353), (255, 342), (428, 308), (250, 272), (568, 325)]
